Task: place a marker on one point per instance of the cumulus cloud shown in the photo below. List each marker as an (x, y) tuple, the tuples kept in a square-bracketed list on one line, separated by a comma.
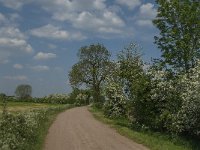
[(147, 13), (13, 41), (18, 66), (15, 4), (88, 15), (11, 37), (44, 56), (52, 32), (131, 4), (40, 68), (92, 16), (19, 78), (87, 20)]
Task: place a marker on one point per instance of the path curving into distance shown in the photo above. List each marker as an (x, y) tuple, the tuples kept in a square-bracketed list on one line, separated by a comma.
[(77, 129)]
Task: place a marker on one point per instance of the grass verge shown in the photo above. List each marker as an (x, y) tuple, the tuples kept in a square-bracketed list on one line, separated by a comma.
[(43, 130), (27, 129), (152, 140)]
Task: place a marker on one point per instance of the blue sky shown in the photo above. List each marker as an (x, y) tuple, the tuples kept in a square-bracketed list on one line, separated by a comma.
[(39, 39)]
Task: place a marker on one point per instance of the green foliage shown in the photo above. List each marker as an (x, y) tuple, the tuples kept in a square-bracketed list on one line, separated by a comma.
[(174, 102), (23, 91), (21, 131), (115, 105), (135, 81), (179, 40), (2, 95), (131, 69), (187, 119), (50, 99), (92, 69), (153, 140), (81, 99), (164, 100)]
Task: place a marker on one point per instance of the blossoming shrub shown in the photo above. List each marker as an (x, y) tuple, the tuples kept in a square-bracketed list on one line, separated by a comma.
[(81, 99), (115, 104), (187, 120), (174, 102), (20, 131), (164, 99), (54, 99), (51, 99)]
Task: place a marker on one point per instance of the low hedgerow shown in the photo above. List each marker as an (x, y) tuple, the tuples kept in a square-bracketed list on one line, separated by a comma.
[(21, 131)]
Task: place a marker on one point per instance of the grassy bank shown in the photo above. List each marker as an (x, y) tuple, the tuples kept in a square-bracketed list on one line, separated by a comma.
[(24, 130), (154, 141), (43, 130)]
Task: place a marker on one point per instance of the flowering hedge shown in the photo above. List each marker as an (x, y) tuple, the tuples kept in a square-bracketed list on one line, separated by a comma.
[(187, 118), (81, 99), (21, 131)]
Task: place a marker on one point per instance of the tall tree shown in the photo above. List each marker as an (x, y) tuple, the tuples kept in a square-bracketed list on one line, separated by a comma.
[(131, 69), (23, 91), (92, 68), (179, 25)]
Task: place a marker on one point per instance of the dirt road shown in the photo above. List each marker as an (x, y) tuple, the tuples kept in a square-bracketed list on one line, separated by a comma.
[(76, 129)]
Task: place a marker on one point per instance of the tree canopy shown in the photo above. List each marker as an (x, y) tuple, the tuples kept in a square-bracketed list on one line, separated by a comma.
[(179, 39), (91, 70), (23, 91)]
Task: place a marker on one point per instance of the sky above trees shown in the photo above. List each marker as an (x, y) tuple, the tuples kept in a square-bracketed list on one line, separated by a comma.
[(39, 39)]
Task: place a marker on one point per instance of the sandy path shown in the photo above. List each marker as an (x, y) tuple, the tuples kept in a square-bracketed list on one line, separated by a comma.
[(76, 129)]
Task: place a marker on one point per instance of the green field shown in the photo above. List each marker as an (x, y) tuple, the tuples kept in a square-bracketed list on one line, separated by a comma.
[(24, 106)]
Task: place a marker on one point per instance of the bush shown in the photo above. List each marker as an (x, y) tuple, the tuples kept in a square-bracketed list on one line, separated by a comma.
[(81, 99), (163, 101), (21, 131), (115, 105), (188, 117)]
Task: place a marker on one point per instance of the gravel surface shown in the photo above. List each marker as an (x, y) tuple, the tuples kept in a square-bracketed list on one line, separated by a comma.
[(77, 129)]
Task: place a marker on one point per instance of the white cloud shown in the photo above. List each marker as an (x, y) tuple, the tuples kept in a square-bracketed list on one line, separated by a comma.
[(2, 18), (107, 20), (12, 42), (44, 56), (40, 68), (92, 16), (131, 4), (147, 13), (13, 38), (18, 66), (52, 32), (15, 4), (20, 78), (87, 15)]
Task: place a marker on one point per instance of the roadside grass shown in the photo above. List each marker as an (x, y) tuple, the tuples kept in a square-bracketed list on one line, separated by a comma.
[(48, 113), (43, 130), (152, 140)]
